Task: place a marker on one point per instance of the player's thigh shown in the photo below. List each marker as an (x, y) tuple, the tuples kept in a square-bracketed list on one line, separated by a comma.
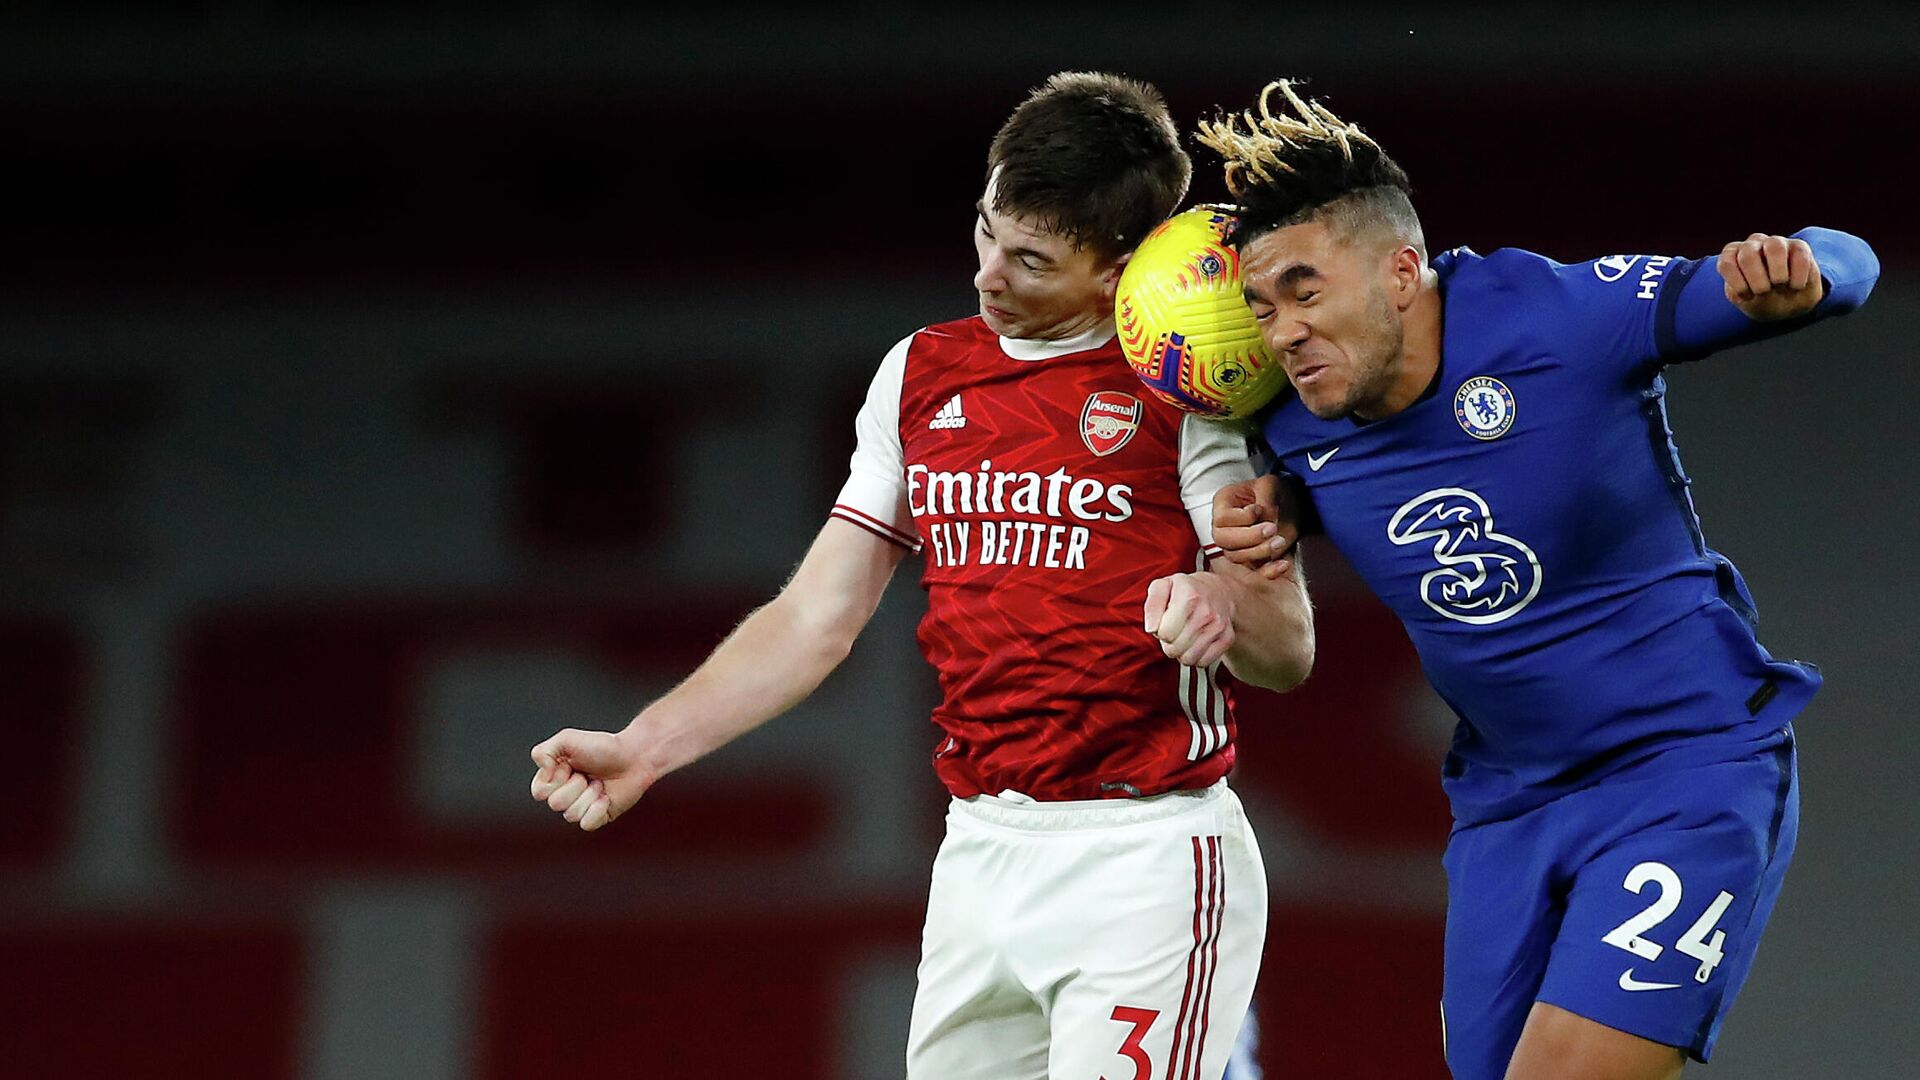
[(971, 1018), (970, 1022), (1558, 1045), (996, 1036), (1503, 913), (1185, 1029), (1163, 991), (1663, 923)]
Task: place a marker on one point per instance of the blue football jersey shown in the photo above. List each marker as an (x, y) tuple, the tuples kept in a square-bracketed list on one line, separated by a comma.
[(1529, 522)]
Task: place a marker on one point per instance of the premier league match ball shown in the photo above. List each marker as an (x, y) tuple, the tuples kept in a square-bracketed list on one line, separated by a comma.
[(1184, 326)]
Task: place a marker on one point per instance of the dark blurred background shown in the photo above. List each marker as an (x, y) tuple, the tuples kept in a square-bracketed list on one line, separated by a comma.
[(384, 386)]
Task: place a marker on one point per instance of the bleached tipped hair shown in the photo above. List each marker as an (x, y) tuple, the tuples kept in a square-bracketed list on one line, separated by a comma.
[(1298, 162)]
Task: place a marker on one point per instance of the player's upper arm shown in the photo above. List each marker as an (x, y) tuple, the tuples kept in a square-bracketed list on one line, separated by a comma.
[(1213, 454), (837, 586), (870, 528), (875, 495)]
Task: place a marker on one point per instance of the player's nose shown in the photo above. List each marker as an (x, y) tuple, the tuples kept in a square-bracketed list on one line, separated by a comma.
[(1286, 335), (992, 276)]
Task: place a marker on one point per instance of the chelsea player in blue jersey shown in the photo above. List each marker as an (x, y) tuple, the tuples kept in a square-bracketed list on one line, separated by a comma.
[(1485, 439)]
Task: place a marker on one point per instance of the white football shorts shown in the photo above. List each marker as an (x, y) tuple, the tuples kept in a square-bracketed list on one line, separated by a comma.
[(1098, 940)]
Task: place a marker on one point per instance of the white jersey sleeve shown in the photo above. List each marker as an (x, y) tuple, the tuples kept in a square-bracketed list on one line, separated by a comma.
[(875, 495), (1213, 454)]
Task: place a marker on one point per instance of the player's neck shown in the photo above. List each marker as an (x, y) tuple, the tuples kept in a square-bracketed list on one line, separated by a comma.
[(1076, 327), (1419, 360)]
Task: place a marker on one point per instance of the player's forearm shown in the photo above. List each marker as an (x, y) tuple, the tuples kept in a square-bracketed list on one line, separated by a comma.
[(769, 664), (1703, 320), (1273, 640)]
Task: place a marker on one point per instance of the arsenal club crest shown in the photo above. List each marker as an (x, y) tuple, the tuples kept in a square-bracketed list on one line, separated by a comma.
[(1109, 420)]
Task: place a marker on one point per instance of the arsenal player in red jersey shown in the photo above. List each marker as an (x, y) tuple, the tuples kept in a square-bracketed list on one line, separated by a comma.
[(1098, 906)]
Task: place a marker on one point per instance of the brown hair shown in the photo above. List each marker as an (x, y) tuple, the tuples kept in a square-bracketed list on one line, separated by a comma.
[(1093, 157)]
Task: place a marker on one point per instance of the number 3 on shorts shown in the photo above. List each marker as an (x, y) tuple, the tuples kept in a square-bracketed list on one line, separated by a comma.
[(1141, 1019), (1693, 943)]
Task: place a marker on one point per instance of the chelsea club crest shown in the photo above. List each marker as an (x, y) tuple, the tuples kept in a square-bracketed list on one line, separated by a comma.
[(1484, 407)]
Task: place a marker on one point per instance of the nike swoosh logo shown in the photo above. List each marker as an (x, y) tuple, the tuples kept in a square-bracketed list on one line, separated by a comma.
[(1628, 982), (1314, 463)]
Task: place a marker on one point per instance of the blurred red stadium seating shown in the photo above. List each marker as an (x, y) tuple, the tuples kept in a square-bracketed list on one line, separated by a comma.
[(1331, 748), (295, 745), (43, 675), (692, 997), (166, 998)]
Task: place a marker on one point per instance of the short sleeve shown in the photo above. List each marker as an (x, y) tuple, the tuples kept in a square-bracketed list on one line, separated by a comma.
[(874, 497), (1213, 454)]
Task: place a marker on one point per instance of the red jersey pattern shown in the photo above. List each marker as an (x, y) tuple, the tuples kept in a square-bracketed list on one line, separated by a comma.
[(1045, 495)]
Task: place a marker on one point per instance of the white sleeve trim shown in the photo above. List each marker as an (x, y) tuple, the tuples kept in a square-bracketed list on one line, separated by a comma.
[(1213, 454), (875, 494)]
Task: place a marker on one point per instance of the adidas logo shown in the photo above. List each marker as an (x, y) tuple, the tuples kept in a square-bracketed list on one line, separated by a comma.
[(949, 416)]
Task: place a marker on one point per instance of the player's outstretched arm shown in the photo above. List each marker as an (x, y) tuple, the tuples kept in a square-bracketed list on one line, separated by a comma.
[(1262, 627), (771, 662), (1770, 284)]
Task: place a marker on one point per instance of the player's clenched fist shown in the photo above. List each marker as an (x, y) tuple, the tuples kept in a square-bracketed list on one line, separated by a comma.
[(1771, 277), (590, 777), (1192, 615), (1248, 525)]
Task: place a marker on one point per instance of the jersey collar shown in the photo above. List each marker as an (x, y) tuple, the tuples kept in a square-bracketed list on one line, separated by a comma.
[(1031, 349)]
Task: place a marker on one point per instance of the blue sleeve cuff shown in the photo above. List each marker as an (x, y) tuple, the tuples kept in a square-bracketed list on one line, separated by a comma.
[(1849, 265)]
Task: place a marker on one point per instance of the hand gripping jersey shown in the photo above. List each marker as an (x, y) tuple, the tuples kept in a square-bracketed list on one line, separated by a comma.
[(1529, 522), (1046, 490)]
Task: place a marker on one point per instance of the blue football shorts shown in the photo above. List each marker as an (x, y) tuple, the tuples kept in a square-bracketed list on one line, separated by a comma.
[(1637, 903)]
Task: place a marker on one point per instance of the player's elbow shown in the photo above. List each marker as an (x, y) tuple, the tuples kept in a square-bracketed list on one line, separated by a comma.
[(1849, 264), (1283, 665), (1296, 662), (824, 632), (831, 639)]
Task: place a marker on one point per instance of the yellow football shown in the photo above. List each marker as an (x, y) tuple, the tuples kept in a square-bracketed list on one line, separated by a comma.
[(1183, 324)]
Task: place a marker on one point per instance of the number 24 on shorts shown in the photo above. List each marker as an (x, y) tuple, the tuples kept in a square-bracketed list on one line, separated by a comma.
[(1694, 942)]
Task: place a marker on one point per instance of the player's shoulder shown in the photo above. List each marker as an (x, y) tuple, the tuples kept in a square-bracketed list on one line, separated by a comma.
[(1287, 423), (1209, 437), (1528, 289), (1601, 310), (970, 330), (1514, 269), (1506, 269), (942, 344)]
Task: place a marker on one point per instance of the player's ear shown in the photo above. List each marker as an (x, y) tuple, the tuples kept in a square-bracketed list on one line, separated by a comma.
[(1405, 267), (1110, 281)]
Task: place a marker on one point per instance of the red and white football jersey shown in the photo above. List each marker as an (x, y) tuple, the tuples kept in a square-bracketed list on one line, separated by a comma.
[(1046, 488)]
